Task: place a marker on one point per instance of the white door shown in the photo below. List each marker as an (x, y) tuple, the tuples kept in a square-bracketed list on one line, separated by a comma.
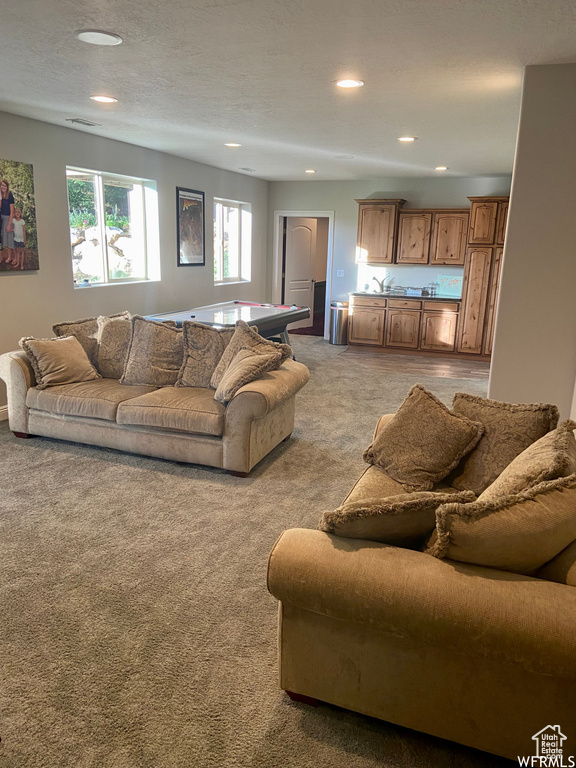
[(299, 266)]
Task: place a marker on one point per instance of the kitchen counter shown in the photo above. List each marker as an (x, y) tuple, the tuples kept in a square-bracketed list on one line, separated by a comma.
[(376, 295)]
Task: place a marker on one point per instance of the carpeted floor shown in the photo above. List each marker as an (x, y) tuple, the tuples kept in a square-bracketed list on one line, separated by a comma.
[(136, 629)]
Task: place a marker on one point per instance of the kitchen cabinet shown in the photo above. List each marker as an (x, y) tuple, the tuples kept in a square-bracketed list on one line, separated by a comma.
[(449, 234), (493, 300), (439, 331), (366, 326), (377, 229), (474, 299), (501, 222), (414, 228), (483, 218), (403, 328)]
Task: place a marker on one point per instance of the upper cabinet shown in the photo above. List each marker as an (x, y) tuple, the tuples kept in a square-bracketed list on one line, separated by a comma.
[(377, 228), (450, 229), (414, 228), (487, 220), (501, 222)]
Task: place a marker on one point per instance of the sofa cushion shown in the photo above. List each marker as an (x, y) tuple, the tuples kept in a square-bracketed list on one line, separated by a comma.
[(516, 533), (58, 361), (246, 366), (155, 354), (402, 520), (508, 430), (554, 455), (374, 483), (562, 568), (246, 337), (204, 345), (114, 334), (86, 331), (423, 442), (183, 409), (97, 399)]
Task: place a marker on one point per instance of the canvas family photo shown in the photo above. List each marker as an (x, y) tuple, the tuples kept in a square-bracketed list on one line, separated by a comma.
[(19, 245), (190, 228)]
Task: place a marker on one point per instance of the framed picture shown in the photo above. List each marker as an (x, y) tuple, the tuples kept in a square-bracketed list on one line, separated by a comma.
[(18, 241), (190, 227)]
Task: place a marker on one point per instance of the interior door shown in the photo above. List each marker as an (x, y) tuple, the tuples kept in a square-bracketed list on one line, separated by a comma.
[(299, 254)]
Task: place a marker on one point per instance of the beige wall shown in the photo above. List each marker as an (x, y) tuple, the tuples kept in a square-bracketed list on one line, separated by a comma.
[(30, 303), (534, 356)]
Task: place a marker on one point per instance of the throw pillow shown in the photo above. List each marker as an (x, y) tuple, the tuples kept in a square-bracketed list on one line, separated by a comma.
[(562, 568), (423, 442), (554, 455), (204, 345), (245, 366), (402, 520), (58, 361), (516, 533), (114, 334), (246, 338), (86, 331), (508, 430), (155, 354)]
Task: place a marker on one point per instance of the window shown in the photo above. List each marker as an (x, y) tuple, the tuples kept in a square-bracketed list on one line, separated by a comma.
[(232, 241), (113, 228)]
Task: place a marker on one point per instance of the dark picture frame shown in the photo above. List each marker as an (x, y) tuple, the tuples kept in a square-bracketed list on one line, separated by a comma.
[(190, 227)]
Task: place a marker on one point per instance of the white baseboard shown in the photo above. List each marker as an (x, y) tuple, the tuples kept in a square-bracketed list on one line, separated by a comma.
[(3, 412)]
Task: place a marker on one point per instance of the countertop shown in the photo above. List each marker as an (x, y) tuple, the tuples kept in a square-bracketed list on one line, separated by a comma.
[(375, 295)]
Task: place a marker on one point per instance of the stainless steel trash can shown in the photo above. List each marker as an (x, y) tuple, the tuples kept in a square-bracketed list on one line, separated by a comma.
[(339, 322)]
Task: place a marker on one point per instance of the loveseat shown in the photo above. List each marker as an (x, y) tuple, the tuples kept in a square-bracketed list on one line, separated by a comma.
[(185, 424), (478, 655)]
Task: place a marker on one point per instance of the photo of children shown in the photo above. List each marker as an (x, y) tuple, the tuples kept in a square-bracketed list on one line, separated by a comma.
[(18, 243)]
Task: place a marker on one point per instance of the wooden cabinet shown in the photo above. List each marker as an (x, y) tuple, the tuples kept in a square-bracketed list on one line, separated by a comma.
[(474, 298), (449, 233), (377, 227), (493, 300), (439, 331), (501, 222), (403, 328), (483, 217), (366, 326), (414, 228)]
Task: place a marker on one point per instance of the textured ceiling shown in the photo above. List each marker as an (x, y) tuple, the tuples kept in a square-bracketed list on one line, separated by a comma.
[(193, 74)]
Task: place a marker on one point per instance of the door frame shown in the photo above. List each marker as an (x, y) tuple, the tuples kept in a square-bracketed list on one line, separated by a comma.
[(277, 257)]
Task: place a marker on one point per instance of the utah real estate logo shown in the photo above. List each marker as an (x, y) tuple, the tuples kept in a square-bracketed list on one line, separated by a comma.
[(549, 750)]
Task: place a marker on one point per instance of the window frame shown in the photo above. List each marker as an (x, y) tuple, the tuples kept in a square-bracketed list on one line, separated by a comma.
[(244, 243)]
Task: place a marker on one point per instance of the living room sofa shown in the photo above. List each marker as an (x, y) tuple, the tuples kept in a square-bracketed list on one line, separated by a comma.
[(183, 424), (477, 655)]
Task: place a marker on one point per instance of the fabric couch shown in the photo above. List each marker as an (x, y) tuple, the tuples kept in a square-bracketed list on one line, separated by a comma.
[(179, 423), (476, 655)]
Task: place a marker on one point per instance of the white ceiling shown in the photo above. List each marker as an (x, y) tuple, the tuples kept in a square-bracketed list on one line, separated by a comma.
[(193, 74)]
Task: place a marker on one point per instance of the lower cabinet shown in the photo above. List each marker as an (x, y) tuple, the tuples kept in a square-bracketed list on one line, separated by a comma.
[(474, 300), (403, 328), (439, 331), (366, 326)]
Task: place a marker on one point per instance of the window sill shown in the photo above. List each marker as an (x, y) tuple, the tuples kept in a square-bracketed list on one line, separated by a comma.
[(123, 282), (232, 282)]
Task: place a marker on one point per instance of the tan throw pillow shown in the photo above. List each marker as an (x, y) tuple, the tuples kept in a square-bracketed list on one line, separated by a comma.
[(423, 442), (114, 334), (204, 345), (402, 520), (554, 455), (58, 361), (86, 331), (247, 365), (516, 533), (562, 568), (508, 430), (246, 338), (155, 354)]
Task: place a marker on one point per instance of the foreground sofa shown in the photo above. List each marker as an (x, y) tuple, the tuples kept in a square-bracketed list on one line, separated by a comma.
[(476, 655), (181, 424)]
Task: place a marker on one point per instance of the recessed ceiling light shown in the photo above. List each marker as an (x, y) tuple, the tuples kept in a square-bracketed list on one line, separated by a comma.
[(310, 170), (98, 37), (407, 139), (231, 144), (349, 83), (441, 168), (104, 99)]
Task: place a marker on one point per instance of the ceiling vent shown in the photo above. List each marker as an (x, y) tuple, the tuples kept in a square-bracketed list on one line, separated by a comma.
[(81, 121)]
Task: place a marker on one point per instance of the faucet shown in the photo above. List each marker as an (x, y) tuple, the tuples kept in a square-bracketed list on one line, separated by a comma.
[(380, 283)]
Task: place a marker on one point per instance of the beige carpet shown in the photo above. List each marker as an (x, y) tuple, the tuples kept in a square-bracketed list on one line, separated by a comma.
[(136, 629)]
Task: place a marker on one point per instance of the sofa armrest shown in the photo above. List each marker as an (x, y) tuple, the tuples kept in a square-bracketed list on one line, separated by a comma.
[(382, 421), (263, 395), (465, 608), (17, 373)]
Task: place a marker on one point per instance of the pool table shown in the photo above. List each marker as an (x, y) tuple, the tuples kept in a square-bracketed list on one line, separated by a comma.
[(270, 319)]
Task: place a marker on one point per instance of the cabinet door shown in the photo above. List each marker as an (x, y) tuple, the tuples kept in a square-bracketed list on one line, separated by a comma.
[(366, 326), (483, 217), (449, 235), (376, 233), (414, 238), (493, 300), (474, 299), (402, 328), (501, 223), (439, 331)]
